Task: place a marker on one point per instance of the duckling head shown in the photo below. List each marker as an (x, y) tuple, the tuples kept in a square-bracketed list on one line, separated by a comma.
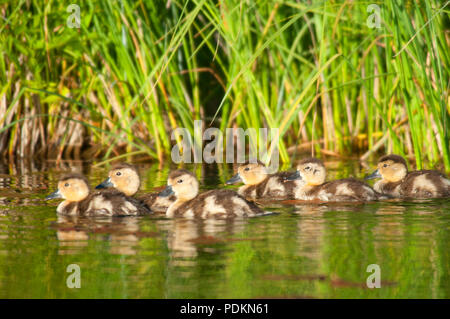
[(311, 170), (71, 187), (391, 168), (183, 184), (124, 178), (249, 174)]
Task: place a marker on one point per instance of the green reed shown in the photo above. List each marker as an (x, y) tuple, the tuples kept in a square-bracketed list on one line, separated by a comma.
[(135, 70)]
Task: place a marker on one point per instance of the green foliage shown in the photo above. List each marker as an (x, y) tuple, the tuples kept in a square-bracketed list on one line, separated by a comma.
[(135, 70)]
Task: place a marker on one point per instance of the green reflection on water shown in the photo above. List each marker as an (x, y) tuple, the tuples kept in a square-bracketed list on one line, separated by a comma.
[(306, 251)]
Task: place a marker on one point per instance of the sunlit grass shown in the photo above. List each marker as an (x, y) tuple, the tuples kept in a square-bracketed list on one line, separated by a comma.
[(135, 70)]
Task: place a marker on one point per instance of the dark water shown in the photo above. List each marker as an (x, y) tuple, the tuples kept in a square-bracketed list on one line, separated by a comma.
[(306, 251)]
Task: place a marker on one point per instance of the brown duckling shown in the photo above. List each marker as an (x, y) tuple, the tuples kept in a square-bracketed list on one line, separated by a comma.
[(260, 184), (223, 203), (312, 174), (396, 181), (78, 200), (125, 178)]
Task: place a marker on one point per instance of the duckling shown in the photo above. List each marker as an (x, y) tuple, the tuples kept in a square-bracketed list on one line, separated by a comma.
[(398, 182), (312, 173), (223, 203), (74, 188), (125, 178), (260, 184)]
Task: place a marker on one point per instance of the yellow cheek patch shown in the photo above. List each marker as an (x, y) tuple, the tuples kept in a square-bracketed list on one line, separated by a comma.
[(314, 179), (250, 178), (253, 177), (76, 190), (394, 172), (74, 194), (120, 184)]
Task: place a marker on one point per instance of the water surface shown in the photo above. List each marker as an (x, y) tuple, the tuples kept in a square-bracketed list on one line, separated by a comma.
[(305, 251)]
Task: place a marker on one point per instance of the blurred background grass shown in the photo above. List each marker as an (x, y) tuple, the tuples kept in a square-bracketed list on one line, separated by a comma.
[(135, 70)]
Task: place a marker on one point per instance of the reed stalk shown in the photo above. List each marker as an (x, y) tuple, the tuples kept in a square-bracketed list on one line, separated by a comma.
[(135, 70)]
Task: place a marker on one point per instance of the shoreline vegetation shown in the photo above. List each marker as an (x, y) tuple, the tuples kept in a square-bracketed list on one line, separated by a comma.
[(332, 83)]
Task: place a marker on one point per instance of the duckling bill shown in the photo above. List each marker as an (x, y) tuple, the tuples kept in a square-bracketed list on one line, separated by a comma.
[(311, 174), (79, 200), (234, 180), (222, 203), (125, 178), (105, 184), (396, 181)]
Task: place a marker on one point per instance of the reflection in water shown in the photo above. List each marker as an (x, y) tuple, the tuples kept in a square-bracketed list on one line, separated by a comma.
[(185, 235), (310, 227), (306, 208), (389, 230), (390, 209), (308, 249), (122, 233)]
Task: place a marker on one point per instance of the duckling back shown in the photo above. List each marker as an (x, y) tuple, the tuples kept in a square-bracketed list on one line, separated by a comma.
[(347, 189), (350, 189), (425, 184), (105, 203), (275, 186), (223, 203)]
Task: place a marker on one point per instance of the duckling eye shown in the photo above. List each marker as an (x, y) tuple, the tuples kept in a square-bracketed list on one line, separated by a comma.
[(118, 173), (307, 168), (180, 181), (385, 165), (66, 185), (247, 169)]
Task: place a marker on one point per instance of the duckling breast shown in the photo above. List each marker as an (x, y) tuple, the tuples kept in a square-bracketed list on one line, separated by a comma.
[(162, 203), (248, 191), (309, 192), (274, 187), (278, 187), (68, 208), (388, 188)]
